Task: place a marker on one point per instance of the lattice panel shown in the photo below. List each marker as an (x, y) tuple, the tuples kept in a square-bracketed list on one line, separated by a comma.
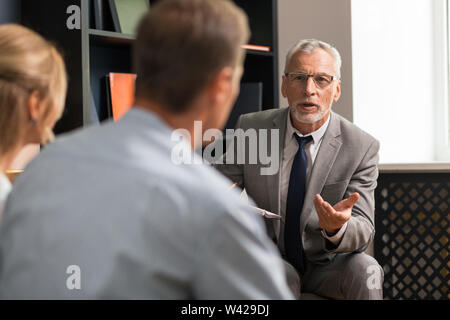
[(412, 235)]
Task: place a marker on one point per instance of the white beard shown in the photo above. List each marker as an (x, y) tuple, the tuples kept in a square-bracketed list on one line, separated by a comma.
[(309, 118)]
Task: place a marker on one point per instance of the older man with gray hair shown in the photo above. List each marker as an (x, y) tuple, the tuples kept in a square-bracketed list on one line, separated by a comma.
[(324, 190)]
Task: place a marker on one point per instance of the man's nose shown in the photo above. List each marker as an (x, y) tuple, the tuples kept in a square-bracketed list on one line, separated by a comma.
[(310, 87)]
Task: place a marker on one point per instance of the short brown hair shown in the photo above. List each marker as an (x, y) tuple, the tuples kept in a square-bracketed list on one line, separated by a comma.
[(182, 44), (28, 63)]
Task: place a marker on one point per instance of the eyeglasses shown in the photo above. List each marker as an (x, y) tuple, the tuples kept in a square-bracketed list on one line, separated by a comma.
[(322, 80)]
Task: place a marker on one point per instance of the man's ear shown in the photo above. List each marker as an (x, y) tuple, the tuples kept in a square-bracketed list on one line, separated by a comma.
[(337, 93), (284, 86), (221, 86), (34, 106)]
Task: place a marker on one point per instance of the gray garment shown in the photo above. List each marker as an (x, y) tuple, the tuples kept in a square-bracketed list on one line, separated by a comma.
[(346, 162), (351, 276), (110, 200), (290, 148)]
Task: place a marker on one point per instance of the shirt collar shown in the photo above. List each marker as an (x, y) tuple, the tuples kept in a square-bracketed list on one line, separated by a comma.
[(148, 118), (316, 135), (154, 122), (5, 187)]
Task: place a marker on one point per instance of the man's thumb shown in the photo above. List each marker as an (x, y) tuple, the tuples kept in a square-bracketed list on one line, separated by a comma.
[(353, 198)]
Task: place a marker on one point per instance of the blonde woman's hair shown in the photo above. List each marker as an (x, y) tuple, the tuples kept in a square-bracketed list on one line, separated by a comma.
[(28, 63)]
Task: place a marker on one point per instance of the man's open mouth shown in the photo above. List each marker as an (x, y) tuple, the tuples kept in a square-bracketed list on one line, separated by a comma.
[(309, 106)]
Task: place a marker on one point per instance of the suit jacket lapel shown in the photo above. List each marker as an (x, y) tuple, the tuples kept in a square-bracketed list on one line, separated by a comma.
[(273, 181), (325, 158)]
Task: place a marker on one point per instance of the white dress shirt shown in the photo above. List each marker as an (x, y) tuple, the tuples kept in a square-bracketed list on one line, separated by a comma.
[(289, 151), (5, 188)]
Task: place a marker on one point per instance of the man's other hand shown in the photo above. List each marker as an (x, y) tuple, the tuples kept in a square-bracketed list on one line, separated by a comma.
[(332, 218)]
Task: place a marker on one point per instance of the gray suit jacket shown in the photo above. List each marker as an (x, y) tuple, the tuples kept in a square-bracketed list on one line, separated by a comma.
[(346, 162)]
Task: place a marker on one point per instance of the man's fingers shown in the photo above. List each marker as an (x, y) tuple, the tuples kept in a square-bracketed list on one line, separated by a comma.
[(324, 207), (322, 215), (351, 200), (354, 197), (347, 203), (318, 199), (329, 209), (318, 202)]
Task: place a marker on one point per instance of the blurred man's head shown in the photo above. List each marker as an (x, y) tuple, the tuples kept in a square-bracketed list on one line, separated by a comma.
[(188, 56)]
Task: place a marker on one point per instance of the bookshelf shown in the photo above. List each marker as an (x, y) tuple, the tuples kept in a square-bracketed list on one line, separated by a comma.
[(90, 54)]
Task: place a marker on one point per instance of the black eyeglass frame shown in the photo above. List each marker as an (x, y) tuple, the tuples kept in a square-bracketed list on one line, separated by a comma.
[(307, 75)]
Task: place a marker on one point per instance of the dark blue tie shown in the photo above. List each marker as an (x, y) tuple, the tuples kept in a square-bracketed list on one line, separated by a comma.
[(294, 204)]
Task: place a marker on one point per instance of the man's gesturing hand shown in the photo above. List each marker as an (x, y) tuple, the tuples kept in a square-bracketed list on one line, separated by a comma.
[(331, 219)]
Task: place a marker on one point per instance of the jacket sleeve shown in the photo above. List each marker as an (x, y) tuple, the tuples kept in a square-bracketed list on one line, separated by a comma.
[(232, 170), (361, 225)]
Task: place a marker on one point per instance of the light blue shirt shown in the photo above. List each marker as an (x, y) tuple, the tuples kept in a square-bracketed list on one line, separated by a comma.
[(105, 213)]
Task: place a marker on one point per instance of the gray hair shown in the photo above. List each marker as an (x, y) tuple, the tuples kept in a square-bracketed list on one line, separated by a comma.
[(309, 45)]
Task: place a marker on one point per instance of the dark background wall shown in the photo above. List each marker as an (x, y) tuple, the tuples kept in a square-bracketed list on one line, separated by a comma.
[(9, 11), (327, 20)]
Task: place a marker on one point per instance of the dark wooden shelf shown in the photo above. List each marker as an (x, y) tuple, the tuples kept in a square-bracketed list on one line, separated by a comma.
[(259, 53), (105, 38), (109, 38), (111, 34), (90, 54)]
